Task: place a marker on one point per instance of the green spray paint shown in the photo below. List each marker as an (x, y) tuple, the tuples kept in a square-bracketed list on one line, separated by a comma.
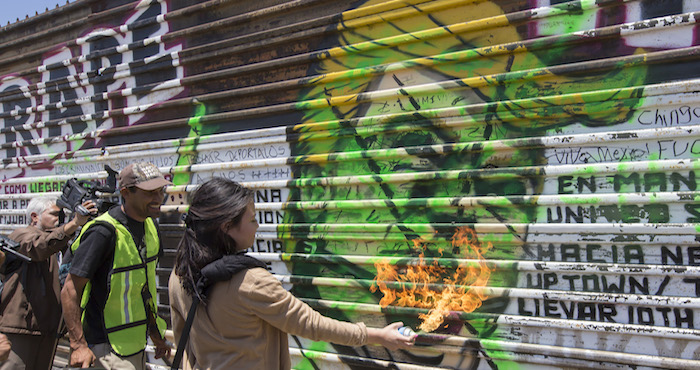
[(444, 113), (196, 130)]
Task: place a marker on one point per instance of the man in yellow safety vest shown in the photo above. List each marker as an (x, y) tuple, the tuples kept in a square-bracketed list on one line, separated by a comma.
[(112, 278)]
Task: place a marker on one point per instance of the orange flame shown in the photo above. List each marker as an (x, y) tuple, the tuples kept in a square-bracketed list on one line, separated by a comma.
[(435, 287)]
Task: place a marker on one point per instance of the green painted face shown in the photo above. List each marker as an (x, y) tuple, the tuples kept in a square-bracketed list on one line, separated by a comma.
[(397, 136)]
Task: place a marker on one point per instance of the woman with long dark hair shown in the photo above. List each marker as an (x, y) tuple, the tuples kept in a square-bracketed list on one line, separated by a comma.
[(246, 313)]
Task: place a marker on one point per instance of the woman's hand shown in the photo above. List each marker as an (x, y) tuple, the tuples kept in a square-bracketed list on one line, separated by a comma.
[(390, 337)]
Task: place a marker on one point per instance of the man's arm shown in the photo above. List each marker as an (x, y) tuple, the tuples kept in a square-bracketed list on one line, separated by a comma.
[(81, 355), (162, 347), (41, 246)]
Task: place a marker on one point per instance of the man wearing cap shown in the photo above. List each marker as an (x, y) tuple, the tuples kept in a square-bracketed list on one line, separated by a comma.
[(112, 278)]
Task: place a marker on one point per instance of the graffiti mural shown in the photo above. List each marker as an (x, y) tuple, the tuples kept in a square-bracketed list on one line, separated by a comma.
[(85, 87), (456, 127), (514, 180)]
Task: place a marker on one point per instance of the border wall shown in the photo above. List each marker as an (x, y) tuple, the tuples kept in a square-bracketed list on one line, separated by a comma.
[(514, 179)]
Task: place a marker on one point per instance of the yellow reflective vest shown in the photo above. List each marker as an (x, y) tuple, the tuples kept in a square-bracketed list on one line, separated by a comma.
[(131, 302)]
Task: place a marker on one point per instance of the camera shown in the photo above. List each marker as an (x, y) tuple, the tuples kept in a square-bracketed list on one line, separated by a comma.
[(75, 192)]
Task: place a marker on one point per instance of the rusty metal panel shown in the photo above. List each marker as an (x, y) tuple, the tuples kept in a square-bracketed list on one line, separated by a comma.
[(513, 179)]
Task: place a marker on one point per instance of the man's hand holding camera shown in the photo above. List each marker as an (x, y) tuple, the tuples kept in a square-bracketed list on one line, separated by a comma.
[(81, 219)]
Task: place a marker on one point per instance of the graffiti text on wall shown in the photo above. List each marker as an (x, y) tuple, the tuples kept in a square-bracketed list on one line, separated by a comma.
[(90, 88)]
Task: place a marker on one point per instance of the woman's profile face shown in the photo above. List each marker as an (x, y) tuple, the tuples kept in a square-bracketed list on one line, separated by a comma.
[(243, 233)]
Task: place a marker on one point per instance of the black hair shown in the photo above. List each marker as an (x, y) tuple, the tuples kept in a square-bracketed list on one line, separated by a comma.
[(217, 202)]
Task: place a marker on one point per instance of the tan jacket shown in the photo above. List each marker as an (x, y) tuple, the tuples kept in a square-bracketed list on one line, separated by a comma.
[(30, 301), (246, 321)]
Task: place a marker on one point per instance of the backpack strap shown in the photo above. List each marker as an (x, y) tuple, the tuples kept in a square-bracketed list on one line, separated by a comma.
[(185, 334)]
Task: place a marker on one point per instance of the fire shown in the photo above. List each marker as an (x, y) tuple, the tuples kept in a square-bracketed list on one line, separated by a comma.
[(435, 287)]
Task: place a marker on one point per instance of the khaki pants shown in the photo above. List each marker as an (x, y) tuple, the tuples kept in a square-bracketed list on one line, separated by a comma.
[(109, 360), (30, 351)]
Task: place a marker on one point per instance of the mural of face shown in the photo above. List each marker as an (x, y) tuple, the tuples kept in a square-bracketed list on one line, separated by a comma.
[(416, 125), (374, 141)]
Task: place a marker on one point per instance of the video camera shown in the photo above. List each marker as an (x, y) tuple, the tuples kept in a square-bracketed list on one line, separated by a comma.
[(75, 192)]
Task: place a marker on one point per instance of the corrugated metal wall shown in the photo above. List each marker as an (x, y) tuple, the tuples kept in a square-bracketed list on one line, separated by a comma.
[(516, 178)]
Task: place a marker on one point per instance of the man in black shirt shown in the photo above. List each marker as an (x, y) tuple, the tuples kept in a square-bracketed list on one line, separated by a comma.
[(115, 255)]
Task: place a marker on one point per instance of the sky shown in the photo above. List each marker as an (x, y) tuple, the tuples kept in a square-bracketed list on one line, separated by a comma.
[(10, 10)]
